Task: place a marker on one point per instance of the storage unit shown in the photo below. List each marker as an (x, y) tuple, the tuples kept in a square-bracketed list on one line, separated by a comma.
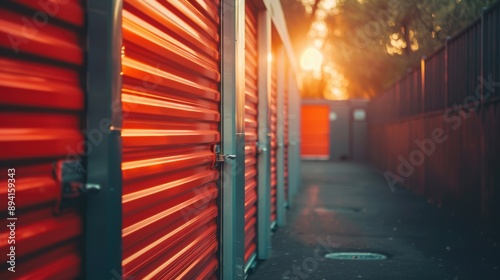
[(340, 130), (42, 108), (273, 110), (334, 129), (315, 131), (251, 132), (144, 136), (171, 118), (359, 134), (264, 25)]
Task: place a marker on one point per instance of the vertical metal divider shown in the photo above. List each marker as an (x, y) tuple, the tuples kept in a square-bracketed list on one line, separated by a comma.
[(446, 85), (294, 135), (280, 165), (422, 114), (482, 115), (103, 219), (481, 51), (422, 89), (298, 112), (232, 236), (264, 160), (291, 139), (295, 102)]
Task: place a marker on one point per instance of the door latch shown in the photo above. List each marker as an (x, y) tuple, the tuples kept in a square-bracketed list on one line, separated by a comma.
[(71, 178), (260, 148), (219, 157), (223, 158)]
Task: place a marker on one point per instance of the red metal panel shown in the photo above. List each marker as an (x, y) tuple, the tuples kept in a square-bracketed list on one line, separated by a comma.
[(274, 139), (171, 121), (251, 95), (41, 109)]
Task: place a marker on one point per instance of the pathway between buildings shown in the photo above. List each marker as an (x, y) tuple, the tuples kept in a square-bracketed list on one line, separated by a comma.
[(348, 207)]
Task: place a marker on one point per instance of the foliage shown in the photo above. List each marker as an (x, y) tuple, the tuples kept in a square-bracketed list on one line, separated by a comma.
[(374, 42)]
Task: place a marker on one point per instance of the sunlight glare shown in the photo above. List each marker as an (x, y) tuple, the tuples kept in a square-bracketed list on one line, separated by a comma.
[(311, 59), (318, 43), (328, 4)]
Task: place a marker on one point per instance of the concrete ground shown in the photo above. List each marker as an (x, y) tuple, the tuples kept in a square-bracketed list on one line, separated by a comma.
[(347, 206)]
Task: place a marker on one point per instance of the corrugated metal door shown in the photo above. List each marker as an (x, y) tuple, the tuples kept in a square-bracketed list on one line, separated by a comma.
[(171, 122), (315, 130), (41, 111), (251, 103), (274, 139)]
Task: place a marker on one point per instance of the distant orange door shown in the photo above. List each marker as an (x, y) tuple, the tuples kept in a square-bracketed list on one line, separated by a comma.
[(315, 132)]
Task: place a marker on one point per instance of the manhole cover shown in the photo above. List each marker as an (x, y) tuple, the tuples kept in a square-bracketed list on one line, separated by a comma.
[(338, 209), (355, 256)]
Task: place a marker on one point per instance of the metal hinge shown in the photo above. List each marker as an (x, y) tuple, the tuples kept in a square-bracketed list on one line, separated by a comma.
[(71, 178)]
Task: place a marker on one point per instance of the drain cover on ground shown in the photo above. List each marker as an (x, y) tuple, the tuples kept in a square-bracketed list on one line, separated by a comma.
[(355, 256), (338, 209)]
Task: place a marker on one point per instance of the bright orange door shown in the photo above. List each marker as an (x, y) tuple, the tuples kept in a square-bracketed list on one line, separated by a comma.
[(315, 132), (251, 132), (171, 119), (42, 108), (274, 140)]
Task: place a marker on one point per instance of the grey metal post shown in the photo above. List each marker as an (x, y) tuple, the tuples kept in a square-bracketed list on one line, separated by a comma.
[(103, 229), (483, 150), (294, 133), (298, 112), (482, 51), (264, 160), (446, 62), (280, 165), (233, 140), (422, 85)]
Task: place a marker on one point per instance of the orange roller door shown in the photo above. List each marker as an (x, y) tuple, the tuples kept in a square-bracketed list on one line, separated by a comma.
[(42, 103), (171, 118), (315, 131), (274, 139), (251, 132)]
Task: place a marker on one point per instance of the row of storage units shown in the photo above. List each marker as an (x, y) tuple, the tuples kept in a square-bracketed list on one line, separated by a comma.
[(144, 139)]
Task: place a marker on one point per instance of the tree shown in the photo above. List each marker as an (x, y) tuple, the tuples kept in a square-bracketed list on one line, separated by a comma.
[(374, 42)]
